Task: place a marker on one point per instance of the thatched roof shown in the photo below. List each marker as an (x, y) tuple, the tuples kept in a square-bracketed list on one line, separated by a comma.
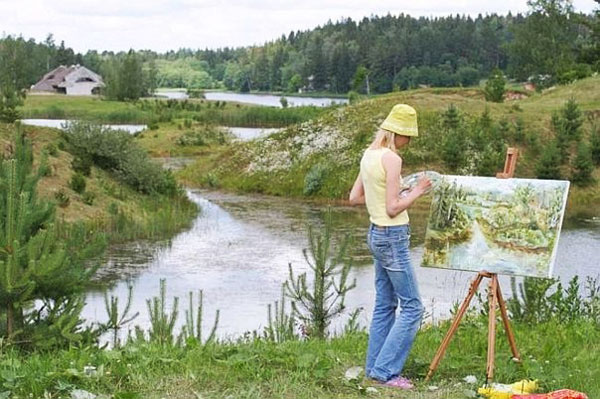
[(64, 76)]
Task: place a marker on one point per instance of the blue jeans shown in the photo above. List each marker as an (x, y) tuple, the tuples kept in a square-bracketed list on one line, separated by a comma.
[(391, 337)]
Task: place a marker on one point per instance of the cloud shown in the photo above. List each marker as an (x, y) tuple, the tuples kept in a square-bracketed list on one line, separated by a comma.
[(164, 25)]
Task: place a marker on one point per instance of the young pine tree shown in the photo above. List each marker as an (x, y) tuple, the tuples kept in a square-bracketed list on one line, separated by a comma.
[(316, 305), (567, 127), (495, 86), (583, 166), (38, 261), (595, 143), (548, 165)]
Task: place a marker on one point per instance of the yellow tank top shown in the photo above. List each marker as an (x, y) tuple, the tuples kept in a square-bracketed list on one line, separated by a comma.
[(373, 178)]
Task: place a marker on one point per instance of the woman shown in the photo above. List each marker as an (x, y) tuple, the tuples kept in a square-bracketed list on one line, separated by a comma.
[(378, 186)]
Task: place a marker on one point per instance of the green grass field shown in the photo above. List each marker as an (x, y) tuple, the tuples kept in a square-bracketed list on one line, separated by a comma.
[(557, 355)]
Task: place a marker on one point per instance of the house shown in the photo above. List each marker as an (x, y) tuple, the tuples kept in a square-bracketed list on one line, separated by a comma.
[(74, 80)]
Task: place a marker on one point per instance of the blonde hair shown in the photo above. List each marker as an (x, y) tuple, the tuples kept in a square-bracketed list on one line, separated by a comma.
[(384, 139)]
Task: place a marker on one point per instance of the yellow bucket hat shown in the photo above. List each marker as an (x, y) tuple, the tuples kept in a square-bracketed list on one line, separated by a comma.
[(402, 120)]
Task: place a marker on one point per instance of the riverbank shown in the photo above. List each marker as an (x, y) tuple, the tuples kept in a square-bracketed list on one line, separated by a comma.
[(105, 205), (257, 368), (319, 158)]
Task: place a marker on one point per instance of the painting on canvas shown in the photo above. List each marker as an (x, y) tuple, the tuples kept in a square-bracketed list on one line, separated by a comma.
[(504, 226)]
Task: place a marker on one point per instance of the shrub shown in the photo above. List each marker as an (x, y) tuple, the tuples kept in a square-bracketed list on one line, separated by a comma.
[(206, 135), (77, 183), (51, 149), (88, 198), (353, 97), (62, 199), (284, 102), (314, 179), (117, 152), (82, 163), (495, 87)]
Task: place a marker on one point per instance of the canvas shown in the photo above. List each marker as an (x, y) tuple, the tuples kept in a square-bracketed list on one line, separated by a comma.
[(504, 226)]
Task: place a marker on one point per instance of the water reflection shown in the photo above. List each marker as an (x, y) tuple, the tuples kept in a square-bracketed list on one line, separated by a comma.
[(239, 248), (256, 99)]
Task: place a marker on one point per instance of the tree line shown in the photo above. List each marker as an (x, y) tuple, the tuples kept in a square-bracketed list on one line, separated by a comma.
[(549, 44)]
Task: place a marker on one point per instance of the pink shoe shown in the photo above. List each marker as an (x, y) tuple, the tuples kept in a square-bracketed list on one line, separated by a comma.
[(399, 382)]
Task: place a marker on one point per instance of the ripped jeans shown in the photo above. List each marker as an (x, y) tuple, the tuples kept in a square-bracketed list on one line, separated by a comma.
[(391, 337)]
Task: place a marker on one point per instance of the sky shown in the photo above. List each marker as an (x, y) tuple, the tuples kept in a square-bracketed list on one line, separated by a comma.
[(163, 25)]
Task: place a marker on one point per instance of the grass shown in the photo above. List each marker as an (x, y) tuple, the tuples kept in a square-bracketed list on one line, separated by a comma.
[(565, 358), (148, 111)]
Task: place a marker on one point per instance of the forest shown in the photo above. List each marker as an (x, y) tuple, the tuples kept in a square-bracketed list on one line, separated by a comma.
[(551, 43)]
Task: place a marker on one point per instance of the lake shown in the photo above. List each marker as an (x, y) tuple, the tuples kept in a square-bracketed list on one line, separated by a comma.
[(256, 99), (239, 247), (60, 123)]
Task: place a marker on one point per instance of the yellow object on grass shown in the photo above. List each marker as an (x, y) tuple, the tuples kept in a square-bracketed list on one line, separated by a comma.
[(506, 391), (401, 120)]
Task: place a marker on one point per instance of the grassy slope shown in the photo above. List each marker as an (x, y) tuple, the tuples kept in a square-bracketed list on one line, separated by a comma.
[(279, 165), (107, 190)]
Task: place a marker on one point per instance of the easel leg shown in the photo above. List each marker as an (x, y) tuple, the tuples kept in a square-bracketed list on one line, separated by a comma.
[(463, 308), (507, 328), (493, 299)]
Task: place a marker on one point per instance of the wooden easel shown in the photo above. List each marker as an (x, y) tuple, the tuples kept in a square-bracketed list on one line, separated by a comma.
[(495, 300)]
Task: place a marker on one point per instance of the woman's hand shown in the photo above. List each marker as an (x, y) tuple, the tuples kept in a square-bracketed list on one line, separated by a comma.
[(423, 185)]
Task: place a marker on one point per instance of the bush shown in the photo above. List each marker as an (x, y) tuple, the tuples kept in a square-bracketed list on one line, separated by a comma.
[(353, 97), (82, 163), (77, 183), (495, 87), (314, 179), (206, 135), (51, 149), (62, 199), (88, 198), (117, 152), (284, 102)]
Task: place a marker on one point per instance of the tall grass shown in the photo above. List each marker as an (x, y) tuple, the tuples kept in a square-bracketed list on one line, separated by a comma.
[(162, 110), (159, 217)]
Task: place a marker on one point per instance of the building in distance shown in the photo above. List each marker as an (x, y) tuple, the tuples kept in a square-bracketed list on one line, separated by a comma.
[(74, 80)]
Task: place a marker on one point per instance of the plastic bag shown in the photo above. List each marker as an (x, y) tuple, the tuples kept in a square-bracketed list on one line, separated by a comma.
[(508, 391), (560, 394)]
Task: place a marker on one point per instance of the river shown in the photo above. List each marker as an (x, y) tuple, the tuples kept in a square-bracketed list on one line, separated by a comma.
[(238, 250), (256, 99)]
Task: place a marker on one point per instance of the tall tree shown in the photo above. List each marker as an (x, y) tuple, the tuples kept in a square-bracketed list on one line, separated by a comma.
[(543, 43), (13, 79)]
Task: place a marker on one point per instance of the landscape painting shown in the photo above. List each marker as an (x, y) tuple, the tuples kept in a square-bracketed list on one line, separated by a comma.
[(504, 226)]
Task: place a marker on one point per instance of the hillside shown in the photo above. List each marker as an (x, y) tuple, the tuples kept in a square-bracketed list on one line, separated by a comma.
[(107, 204), (320, 157)]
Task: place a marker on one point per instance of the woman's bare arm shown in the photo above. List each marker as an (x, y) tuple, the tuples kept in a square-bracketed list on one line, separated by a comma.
[(394, 204), (357, 194)]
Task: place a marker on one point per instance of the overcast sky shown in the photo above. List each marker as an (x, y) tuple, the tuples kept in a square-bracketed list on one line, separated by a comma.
[(165, 25)]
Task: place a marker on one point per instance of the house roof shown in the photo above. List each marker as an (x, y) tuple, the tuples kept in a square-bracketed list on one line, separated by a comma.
[(64, 76)]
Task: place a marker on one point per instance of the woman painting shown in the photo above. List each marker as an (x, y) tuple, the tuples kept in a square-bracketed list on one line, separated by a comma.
[(378, 186)]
